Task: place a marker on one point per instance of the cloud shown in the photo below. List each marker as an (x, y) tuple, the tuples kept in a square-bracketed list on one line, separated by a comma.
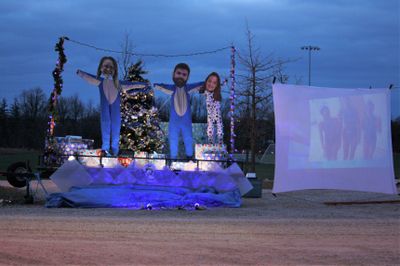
[(359, 39)]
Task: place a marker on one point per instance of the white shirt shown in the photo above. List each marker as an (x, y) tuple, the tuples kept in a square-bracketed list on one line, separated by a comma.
[(180, 101), (109, 89)]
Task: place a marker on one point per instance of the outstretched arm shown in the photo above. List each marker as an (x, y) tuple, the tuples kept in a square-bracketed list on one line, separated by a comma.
[(193, 87), (166, 88), (88, 77), (129, 85)]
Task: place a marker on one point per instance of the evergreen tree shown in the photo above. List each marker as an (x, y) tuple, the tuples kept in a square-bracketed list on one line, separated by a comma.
[(136, 71), (140, 130)]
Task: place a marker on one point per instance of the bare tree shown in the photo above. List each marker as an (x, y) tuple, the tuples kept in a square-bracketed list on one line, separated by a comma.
[(91, 110), (255, 87), (26, 120), (62, 109), (125, 60), (76, 107), (33, 103)]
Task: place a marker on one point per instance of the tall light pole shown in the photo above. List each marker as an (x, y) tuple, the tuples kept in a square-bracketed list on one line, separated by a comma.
[(310, 48)]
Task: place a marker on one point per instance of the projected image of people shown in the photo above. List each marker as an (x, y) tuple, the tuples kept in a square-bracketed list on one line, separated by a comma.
[(371, 127), (332, 138), (330, 134), (351, 127), (346, 132)]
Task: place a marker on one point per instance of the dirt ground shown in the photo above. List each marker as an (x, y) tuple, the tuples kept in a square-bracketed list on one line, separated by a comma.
[(295, 228)]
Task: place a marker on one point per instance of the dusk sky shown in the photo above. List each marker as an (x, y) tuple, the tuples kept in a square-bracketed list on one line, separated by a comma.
[(359, 39)]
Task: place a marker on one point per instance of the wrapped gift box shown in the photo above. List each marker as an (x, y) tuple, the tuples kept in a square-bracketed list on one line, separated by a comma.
[(60, 148), (213, 152), (210, 152), (153, 158), (142, 161), (91, 158), (158, 160), (70, 145)]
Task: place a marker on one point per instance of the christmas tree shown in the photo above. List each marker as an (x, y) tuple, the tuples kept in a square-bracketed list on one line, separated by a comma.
[(140, 129)]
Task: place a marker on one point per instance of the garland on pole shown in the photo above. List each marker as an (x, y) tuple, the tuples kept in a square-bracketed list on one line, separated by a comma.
[(58, 84), (50, 155), (232, 99)]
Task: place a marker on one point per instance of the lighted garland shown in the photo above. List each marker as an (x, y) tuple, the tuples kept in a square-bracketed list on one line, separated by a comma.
[(58, 84), (232, 99)]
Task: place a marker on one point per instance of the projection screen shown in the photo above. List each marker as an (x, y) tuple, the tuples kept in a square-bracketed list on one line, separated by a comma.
[(329, 138)]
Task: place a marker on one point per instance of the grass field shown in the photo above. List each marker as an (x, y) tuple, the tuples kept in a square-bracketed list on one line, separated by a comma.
[(267, 170), (9, 156)]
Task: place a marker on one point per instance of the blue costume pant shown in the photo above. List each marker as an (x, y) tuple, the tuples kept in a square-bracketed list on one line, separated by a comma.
[(177, 126), (110, 113), (110, 123), (180, 123)]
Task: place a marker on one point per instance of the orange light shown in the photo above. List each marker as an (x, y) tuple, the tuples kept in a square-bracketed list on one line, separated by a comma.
[(125, 162)]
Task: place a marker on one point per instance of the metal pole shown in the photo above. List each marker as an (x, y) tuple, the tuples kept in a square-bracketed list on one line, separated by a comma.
[(310, 48), (309, 67)]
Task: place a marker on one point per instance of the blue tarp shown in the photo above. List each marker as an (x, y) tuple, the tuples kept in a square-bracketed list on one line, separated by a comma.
[(141, 197), (163, 189)]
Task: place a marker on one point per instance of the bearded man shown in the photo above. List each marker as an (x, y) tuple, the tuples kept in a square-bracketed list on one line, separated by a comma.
[(180, 119)]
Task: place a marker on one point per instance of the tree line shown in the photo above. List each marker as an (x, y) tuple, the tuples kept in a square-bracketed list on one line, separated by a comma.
[(24, 121)]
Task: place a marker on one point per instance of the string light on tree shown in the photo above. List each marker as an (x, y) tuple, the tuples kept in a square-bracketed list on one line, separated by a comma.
[(140, 130)]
